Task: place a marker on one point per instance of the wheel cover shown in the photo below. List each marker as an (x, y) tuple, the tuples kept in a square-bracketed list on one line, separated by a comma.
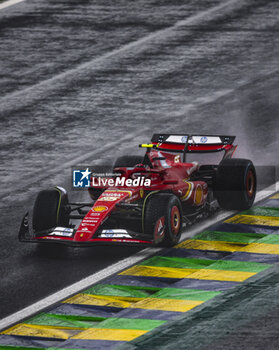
[(175, 220), (250, 184)]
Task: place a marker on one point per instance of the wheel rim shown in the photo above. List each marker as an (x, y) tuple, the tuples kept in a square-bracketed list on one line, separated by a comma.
[(175, 220), (250, 184)]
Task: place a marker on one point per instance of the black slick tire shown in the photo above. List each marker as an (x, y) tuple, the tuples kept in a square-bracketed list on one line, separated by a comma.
[(235, 184), (50, 210)]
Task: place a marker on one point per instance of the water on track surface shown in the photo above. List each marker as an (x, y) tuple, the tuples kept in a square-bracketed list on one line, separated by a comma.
[(150, 83), (218, 74)]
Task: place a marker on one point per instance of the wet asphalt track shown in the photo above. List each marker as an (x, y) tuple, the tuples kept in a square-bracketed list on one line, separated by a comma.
[(99, 77)]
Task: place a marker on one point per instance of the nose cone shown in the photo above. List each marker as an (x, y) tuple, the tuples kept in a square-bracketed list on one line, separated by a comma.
[(98, 213)]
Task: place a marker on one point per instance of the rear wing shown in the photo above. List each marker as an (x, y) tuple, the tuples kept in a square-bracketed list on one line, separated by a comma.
[(183, 143)]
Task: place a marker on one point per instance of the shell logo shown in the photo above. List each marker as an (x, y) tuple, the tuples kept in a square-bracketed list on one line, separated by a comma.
[(100, 208)]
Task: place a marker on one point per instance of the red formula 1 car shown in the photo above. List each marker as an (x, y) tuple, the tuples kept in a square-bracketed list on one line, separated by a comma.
[(148, 198)]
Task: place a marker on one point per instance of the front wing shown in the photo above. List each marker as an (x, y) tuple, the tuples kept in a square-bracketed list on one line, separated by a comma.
[(63, 235)]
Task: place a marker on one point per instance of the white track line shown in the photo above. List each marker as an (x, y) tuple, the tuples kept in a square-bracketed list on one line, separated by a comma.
[(9, 3), (77, 287), (117, 267)]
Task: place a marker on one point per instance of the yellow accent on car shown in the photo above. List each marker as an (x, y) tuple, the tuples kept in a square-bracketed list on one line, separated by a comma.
[(59, 205), (198, 195), (148, 145), (187, 192)]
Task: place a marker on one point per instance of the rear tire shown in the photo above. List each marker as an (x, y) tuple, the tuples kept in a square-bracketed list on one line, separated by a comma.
[(127, 161), (50, 210), (163, 219), (235, 184)]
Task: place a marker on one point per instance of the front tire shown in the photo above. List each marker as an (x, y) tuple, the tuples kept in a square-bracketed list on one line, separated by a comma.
[(235, 184), (163, 219), (50, 210)]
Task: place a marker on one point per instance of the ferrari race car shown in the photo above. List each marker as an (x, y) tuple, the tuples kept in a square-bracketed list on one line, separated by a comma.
[(147, 199)]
